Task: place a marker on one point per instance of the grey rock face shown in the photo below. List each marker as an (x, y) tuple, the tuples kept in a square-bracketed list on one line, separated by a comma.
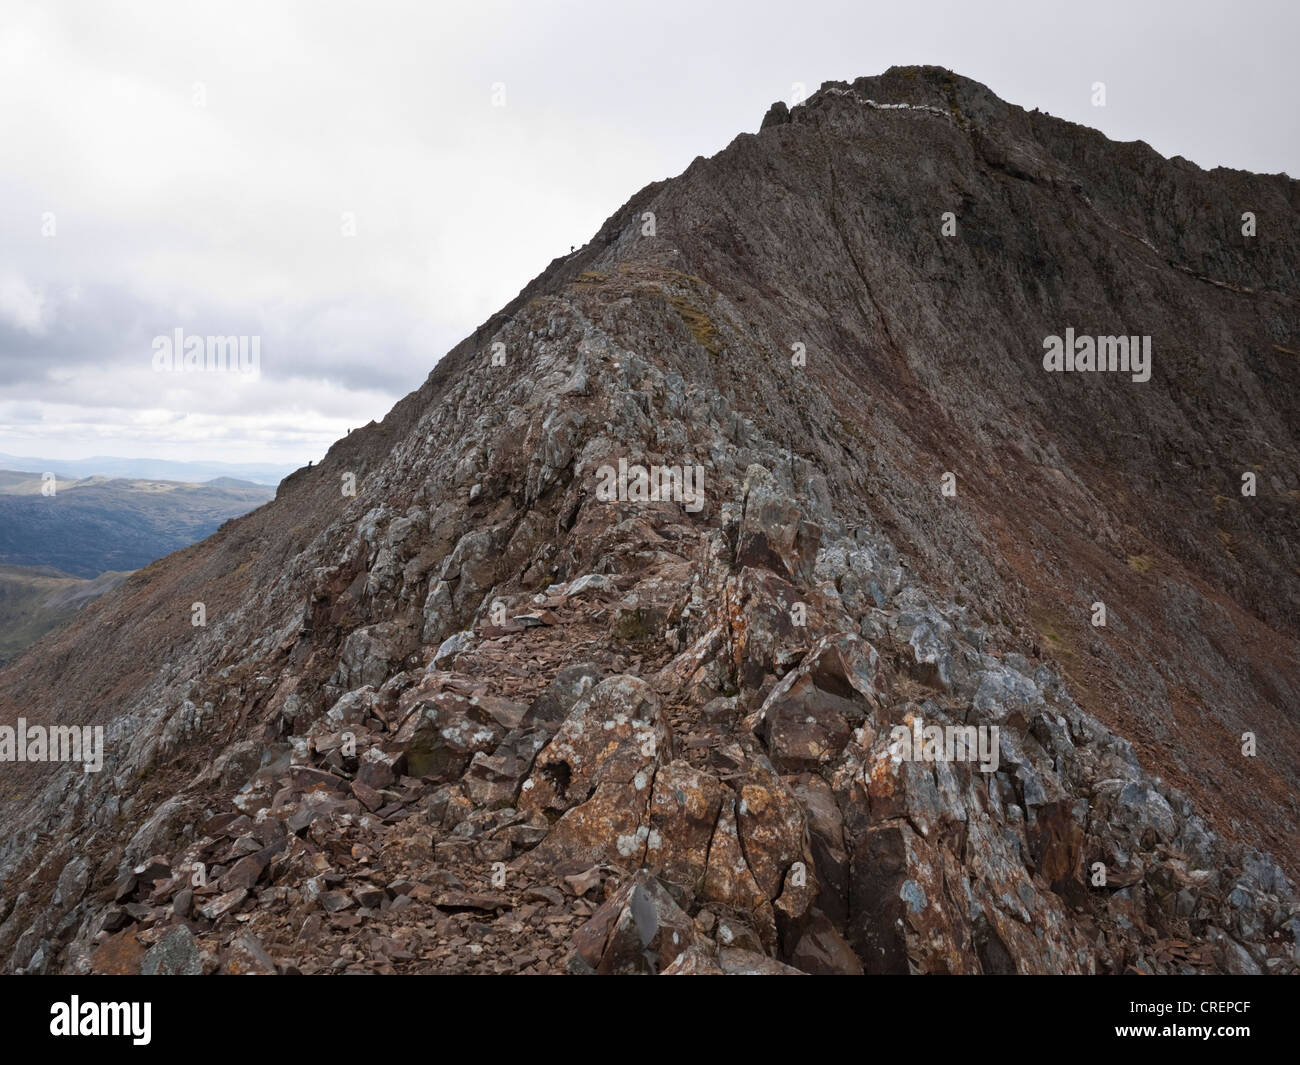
[(175, 954)]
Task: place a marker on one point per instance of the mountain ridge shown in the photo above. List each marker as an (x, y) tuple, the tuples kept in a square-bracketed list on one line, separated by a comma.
[(375, 614)]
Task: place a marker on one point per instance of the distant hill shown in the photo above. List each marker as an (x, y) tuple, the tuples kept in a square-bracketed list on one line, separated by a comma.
[(35, 599), (151, 469), (100, 524)]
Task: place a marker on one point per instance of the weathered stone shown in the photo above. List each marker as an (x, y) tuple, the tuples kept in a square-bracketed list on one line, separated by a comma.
[(772, 831), (736, 962), (615, 734), (640, 929), (443, 734), (493, 780), (175, 954), (684, 810), (818, 948), (696, 960), (808, 717), (247, 957), (773, 533), (728, 879), (223, 904)]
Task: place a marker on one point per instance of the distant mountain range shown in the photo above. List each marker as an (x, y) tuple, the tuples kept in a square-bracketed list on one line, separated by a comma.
[(59, 552), (100, 524), (150, 469)]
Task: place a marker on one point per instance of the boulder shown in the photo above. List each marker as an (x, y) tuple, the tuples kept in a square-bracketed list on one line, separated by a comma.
[(640, 929), (773, 533), (175, 954)]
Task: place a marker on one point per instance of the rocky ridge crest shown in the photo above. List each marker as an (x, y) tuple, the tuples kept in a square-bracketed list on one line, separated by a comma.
[(477, 719)]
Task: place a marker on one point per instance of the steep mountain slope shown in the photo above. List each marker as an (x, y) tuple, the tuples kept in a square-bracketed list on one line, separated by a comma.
[(479, 718), (34, 599)]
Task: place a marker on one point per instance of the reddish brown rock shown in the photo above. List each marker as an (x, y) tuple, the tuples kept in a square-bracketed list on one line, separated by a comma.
[(728, 879), (640, 929), (247, 957), (615, 734), (683, 813)]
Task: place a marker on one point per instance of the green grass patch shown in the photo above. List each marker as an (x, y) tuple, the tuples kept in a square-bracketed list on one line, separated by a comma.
[(699, 324)]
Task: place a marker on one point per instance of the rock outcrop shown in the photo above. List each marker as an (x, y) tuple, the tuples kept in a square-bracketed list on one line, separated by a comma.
[(526, 702)]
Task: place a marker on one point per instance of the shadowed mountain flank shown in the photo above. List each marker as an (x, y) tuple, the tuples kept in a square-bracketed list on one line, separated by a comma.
[(523, 703)]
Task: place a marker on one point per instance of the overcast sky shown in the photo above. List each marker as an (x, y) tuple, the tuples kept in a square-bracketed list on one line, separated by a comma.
[(183, 165)]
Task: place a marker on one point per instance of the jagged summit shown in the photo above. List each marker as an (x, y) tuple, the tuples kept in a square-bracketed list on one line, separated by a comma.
[(925, 88), (502, 698)]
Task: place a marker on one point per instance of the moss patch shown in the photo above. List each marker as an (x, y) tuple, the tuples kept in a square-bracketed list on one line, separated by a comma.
[(1050, 627), (699, 324)]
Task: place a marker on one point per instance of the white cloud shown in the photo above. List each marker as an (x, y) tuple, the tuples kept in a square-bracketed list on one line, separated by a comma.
[(21, 305)]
